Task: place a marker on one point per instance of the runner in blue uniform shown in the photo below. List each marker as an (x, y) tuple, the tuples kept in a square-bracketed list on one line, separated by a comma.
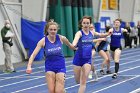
[(96, 34), (55, 63), (93, 70), (83, 56), (115, 45), (104, 52)]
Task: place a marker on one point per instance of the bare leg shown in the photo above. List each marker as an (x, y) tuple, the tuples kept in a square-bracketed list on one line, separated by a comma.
[(77, 73), (50, 78), (83, 78), (60, 82)]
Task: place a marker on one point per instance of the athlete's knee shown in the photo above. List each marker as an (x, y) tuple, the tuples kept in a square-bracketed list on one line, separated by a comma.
[(107, 60), (59, 90), (51, 90), (83, 82)]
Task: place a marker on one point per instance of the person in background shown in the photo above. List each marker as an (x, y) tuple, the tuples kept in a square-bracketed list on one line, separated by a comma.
[(133, 36), (7, 43), (127, 35), (103, 50), (83, 56), (115, 44), (138, 27), (107, 28), (55, 62), (93, 71), (95, 46)]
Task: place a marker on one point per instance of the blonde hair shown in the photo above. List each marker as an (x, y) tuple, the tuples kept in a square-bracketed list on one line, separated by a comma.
[(51, 22)]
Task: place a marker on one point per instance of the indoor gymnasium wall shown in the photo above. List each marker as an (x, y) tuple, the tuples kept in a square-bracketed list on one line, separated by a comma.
[(14, 14), (34, 10)]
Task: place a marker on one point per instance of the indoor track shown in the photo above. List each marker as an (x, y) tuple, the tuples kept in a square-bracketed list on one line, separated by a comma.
[(127, 82)]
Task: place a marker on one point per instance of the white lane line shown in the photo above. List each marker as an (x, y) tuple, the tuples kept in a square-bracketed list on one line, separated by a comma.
[(17, 82), (78, 84), (124, 51), (72, 65), (135, 91), (35, 86), (129, 75), (71, 61), (116, 84), (44, 67), (27, 74), (104, 76), (66, 66), (66, 76), (44, 72), (32, 69), (20, 82), (23, 77), (32, 79)]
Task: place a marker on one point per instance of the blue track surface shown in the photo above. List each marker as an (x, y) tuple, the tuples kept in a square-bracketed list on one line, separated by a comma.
[(127, 81)]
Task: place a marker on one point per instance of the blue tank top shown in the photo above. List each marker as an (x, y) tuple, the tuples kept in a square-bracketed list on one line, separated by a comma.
[(116, 38), (85, 45), (54, 53)]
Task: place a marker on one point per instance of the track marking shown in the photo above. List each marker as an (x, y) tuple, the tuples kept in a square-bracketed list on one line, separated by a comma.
[(79, 84)]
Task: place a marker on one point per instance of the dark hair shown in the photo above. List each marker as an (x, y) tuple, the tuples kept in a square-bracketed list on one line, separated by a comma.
[(118, 19), (84, 17), (51, 22), (107, 28)]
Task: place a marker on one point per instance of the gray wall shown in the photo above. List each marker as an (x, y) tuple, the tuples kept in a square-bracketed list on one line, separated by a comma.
[(34, 10), (96, 9), (136, 16), (11, 0), (129, 11)]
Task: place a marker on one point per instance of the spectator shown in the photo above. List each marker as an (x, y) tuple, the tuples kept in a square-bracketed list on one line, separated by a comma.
[(138, 26), (126, 35), (133, 36), (7, 36)]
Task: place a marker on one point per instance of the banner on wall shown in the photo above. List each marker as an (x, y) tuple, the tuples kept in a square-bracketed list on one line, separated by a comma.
[(113, 4), (104, 4), (105, 21), (32, 32)]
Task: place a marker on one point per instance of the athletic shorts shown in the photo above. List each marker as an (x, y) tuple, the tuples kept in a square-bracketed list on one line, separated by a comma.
[(102, 46), (58, 70), (81, 61), (103, 50), (114, 48)]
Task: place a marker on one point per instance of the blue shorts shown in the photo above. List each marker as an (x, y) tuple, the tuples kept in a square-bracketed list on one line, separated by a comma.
[(81, 61), (58, 70), (55, 65)]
